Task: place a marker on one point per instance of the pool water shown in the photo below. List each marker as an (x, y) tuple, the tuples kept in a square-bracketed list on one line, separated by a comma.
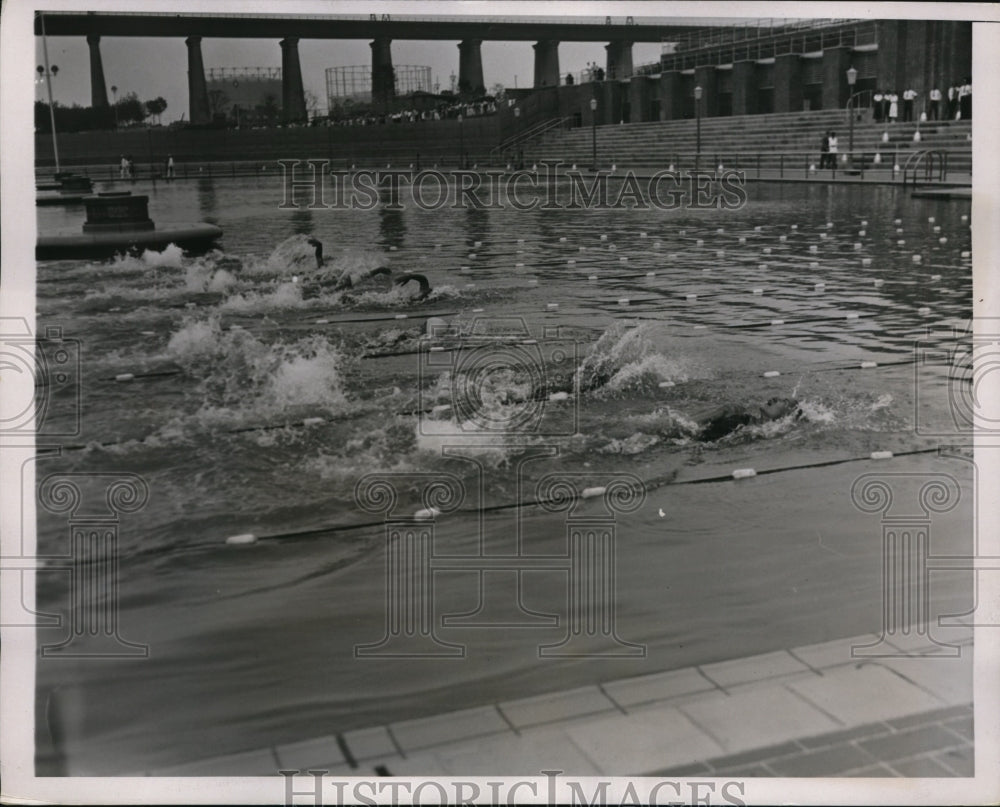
[(252, 396)]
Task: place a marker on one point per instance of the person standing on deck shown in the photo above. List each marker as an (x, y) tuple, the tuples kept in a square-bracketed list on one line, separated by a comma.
[(893, 107), (877, 105), (824, 151), (908, 96), (933, 110), (833, 150)]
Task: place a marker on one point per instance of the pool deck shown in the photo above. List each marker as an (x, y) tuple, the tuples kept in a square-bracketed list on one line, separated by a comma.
[(807, 711)]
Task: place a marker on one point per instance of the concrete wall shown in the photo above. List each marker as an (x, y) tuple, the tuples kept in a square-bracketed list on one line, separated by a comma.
[(403, 141)]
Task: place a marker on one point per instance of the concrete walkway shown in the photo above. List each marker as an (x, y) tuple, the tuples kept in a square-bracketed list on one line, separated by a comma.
[(807, 711)]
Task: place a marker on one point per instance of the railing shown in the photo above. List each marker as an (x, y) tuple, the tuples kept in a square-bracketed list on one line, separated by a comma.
[(926, 157), (775, 166), (520, 138), (771, 44)]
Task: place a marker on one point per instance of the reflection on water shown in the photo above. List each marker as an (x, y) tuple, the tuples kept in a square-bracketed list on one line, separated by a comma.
[(263, 390)]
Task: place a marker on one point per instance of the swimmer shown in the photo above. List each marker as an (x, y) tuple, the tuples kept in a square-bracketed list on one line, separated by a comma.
[(723, 420), (344, 282), (425, 286)]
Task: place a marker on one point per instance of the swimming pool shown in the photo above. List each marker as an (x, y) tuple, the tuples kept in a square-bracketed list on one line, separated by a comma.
[(251, 398)]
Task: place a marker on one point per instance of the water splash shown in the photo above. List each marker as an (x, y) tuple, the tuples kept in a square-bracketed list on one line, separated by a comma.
[(240, 378)]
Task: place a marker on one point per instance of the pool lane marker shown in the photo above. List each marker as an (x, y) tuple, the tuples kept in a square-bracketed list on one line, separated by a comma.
[(645, 486)]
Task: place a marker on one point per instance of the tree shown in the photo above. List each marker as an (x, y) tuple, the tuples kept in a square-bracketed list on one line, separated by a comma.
[(269, 109), (130, 109), (312, 104), (156, 107), (217, 101)]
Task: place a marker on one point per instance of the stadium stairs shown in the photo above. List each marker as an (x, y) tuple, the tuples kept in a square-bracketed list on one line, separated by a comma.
[(788, 140)]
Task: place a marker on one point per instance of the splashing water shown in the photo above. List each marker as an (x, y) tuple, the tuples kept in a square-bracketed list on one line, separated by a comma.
[(240, 377), (624, 359)]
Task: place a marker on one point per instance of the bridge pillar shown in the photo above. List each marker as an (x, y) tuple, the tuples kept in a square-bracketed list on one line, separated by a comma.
[(98, 92), (383, 76), (197, 88), (546, 63), (787, 83), (293, 96), (619, 60), (470, 67)]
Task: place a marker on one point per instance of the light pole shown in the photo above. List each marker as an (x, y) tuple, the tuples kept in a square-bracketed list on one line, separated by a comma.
[(593, 132), (461, 142), (48, 73), (697, 114), (517, 132), (852, 76), (114, 95)]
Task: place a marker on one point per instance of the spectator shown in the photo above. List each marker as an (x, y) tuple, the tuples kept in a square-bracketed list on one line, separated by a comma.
[(965, 100), (953, 103), (170, 166), (877, 105), (908, 96), (123, 168), (824, 151), (569, 79), (893, 107), (934, 109), (833, 150)]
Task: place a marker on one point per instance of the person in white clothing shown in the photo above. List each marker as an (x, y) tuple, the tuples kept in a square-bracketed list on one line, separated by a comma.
[(935, 104), (893, 107), (833, 149), (908, 96)]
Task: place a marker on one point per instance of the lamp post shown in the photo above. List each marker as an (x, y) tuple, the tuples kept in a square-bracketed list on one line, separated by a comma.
[(461, 143), (517, 132), (48, 74), (114, 95), (697, 114), (852, 76), (593, 133)]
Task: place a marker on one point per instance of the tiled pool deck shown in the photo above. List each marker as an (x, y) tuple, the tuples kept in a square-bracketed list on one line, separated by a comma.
[(807, 711)]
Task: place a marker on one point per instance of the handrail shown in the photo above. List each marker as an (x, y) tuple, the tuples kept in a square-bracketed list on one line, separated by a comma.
[(913, 164), (528, 134)]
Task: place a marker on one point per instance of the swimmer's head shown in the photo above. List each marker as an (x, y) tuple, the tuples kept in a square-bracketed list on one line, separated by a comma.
[(779, 407)]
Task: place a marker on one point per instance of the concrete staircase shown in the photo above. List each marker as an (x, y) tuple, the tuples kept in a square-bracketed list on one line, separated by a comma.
[(791, 140)]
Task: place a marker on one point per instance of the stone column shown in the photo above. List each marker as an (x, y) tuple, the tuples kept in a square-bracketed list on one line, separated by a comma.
[(470, 67), (383, 76), (546, 63), (744, 88), (197, 88), (619, 60), (671, 102), (705, 76), (98, 92), (639, 93), (293, 96), (836, 90), (787, 83)]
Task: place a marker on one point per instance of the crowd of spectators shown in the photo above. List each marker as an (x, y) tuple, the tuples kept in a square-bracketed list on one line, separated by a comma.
[(441, 111)]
